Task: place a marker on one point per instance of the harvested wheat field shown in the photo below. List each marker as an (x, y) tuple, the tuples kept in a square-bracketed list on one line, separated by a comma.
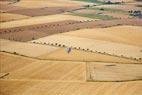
[(41, 20), (70, 47), (113, 72), (10, 63), (4, 17), (49, 3), (94, 45), (117, 34), (55, 53), (28, 68), (71, 79), (28, 87), (79, 55), (27, 49)]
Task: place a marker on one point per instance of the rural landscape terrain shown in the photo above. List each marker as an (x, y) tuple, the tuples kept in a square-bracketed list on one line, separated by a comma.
[(70, 47)]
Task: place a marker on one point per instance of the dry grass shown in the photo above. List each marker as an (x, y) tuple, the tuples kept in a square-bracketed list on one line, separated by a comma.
[(49, 3), (27, 68), (27, 49), (10, 63), (50, 70), (55, 53), (117, 34), (41, 20), (56, 77), (78, 55), (28, 87), (93, 44), (4, 17), (113, 72)]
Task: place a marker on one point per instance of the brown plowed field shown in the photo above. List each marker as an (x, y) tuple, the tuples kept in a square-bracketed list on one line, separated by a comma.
[(43, 11), (59, 27), (7, 7), (28, 33)]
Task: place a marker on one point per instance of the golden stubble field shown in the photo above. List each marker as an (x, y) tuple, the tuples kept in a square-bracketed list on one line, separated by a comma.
[(48, 52), (27, 68), (26, 49), (103, 61), (117, 34), (113, 72), (49, 3), (4, 17), (29, 76), (108, 40), (42, 20)]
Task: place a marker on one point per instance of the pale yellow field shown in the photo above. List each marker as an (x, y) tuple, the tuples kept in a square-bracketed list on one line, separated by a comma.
[(93, 44), (27, 68), (27, 49), (55, 53), (78, 55), (41, 20), (113, 72), (4, 2), (117, 34), (9, 17), (99, 57), (28, 87), (28, 76), (49, 3), (9, 62)]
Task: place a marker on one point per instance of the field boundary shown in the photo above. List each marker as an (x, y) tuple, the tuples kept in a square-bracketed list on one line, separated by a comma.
[(16, 54)]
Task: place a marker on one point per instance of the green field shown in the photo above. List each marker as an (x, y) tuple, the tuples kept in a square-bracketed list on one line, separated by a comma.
[(92, 1), (94, 16), (97, 1), (107, 9)]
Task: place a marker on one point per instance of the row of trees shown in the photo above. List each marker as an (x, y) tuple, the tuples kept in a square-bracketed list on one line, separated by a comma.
[(88, 50), (136, 13), (38, 27)]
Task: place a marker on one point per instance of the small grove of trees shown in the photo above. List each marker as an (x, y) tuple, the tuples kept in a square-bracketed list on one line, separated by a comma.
[(109, 2), (33, 38), (135, 13), (15, 0)]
